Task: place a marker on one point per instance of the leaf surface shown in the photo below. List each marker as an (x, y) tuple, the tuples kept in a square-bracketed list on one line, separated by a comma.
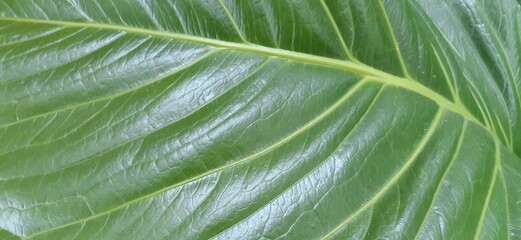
[(260, 119)]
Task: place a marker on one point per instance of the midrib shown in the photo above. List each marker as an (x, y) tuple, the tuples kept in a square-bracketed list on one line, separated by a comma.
[(352, 67)]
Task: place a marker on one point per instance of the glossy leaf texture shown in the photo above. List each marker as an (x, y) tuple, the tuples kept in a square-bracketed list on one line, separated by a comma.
[(192, 119)]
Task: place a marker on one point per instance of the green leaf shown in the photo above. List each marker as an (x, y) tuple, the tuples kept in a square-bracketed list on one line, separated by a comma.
[(193, 119)]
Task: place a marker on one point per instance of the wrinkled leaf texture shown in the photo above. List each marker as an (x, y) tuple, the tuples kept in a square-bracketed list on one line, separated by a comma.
[(195, 119)]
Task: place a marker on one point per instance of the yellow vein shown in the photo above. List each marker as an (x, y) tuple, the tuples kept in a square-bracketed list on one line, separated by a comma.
[(258, 68), (434, 29), (438, 99), (393, 38), (489, 193), (337, 31), (352, 28), (502, 51), (485, 119), (106, 40), (503, 54), (193, 62), (491, 121), (373, 101), (503, 183), (146, 7), (78, 8), (443, 177), (42, 35), (356, 68), (342, 100), (234, 23), (449, 80), (508, 137), (425, 139), (494, 84)]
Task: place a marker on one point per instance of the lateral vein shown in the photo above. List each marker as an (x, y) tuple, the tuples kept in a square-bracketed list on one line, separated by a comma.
[(348, 66), (403, 169), (281, 142)]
